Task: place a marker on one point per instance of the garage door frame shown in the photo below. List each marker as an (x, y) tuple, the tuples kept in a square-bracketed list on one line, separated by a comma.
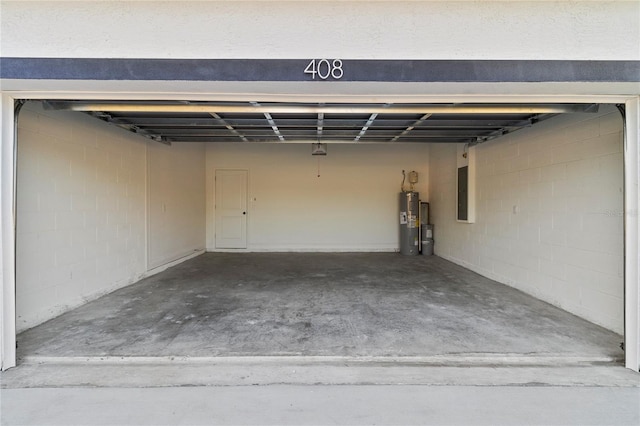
[(631, 196)]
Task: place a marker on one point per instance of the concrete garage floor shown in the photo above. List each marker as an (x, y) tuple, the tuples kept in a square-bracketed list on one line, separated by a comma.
[(317, 304), (459, 349)]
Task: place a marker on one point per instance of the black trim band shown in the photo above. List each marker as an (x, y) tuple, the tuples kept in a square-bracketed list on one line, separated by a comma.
[(491, 71)]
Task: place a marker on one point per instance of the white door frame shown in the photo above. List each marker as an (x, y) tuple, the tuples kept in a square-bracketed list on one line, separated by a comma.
[(631, 234), (631, 195), (8, 235), (216, 209)]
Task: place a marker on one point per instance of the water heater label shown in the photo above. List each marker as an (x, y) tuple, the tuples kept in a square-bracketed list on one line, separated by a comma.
[(403, 218)]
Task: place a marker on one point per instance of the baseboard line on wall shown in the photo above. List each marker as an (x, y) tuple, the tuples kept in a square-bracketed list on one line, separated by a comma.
[(58, 310), (537, 295), (164, 267), (306, 250)]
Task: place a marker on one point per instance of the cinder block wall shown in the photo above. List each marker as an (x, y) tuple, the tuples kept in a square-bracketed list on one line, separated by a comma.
[(86, 193), (176, 201), (80, 212), (549, 213)]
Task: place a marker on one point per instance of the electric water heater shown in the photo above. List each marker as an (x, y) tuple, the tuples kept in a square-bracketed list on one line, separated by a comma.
[(409, 223)]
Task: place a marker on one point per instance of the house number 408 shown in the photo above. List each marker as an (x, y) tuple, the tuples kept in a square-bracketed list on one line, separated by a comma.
[(325, 68)]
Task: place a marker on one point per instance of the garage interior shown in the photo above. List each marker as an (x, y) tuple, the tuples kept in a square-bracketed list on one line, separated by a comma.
[(320, 304), (110, 194)]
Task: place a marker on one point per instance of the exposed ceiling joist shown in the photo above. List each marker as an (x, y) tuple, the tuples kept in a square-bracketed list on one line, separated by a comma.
[(320, 125), (228, 127), (270, 120), (413, 126), (366, 126)]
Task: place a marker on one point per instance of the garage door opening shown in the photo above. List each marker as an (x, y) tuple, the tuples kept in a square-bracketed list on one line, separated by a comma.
[(103, 203)]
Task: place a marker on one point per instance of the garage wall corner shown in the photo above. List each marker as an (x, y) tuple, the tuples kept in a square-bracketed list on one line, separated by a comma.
[(176, 201), (549, 213), (81, 209)]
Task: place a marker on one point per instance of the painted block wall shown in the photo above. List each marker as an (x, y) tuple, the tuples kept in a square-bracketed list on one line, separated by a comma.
[(82, 210), (176, 201), (549, 213), (562, 30), (352, 206)]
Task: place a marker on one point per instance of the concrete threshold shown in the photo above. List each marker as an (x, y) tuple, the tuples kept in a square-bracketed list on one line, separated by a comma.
[(283, 405), (442, 360), (446, 370)]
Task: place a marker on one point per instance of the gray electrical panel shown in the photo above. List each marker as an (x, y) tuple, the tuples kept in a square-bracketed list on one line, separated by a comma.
[(409, 223), (463, 193)]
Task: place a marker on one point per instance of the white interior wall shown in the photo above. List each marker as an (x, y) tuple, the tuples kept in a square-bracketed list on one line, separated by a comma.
[(549, 217), (352, 206), (81, 216), (176, 203), (82, 209)]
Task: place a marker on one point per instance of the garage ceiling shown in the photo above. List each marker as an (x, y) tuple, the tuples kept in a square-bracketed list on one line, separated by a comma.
[(170, 122)]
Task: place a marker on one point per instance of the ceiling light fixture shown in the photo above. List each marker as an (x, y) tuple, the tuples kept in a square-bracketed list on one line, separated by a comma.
[(85, 106)]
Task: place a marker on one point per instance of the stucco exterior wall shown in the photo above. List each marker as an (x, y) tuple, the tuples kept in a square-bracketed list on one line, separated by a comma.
[(305, 29)]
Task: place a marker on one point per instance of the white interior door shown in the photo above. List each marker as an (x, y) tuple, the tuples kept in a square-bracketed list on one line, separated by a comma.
[(231, 209)]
